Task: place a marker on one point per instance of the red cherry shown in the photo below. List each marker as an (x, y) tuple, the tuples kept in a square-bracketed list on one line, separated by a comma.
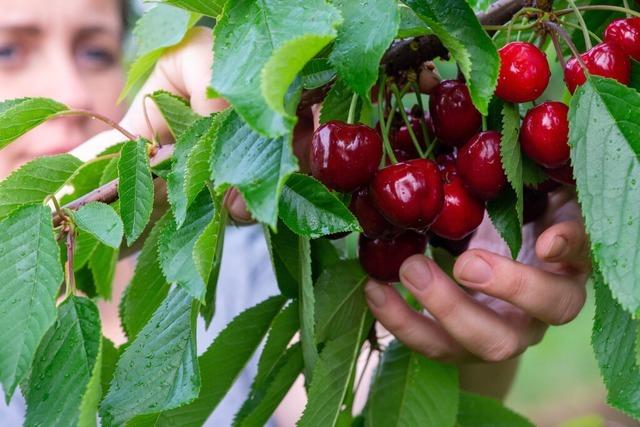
[(480, 166), (461, 214), (604, 60), (455, 118), (524, 72), (447, 166), (625, 33), (544, 136), (373, 224), (343, 156), (535, 204), (454, 247), (546, 186), (409, 194), (382, 258), (563, 175), (401, 138)]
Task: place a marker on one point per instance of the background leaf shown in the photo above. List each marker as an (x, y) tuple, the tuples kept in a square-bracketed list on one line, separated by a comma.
[(18, 116), (103, 267), (481, 411), (306, 301), (175, 110), (336, 104), (101, 221), (510, 153), (211, 8), (135, 188), (504, 216)]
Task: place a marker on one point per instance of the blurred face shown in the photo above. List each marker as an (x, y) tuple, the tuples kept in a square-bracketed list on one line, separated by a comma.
[(67, 50)]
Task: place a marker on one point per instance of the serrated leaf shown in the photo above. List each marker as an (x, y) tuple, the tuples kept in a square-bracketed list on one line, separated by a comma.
[(175, 110), (410, 24), (511, 155), (306, 301), (336, 104), (103, 267), (135, 188), (139, 71), (504, 216), (109, 359), (532, 174), (310, 210), (211, 8), (34, 181), (456, 25), (101, 221), (613, 340), (604, 135), (223, 361), (18, 116), (148, 287), (256, 165), (362, 40), (66, 368), (110, 172), (318, 72), (159, 370), (198, 169), (91, 399), (86, 244), (480, 411), (285, 258), (31, 276), (85, 179), (175, 247), (276, 48), (410, 390)]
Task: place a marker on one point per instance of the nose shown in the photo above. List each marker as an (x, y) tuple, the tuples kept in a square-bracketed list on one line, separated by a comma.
[(66, 83)]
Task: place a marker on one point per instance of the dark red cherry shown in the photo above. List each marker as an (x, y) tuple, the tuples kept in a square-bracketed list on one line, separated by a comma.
[(372, 222), (480, 166), (546, 186), (409, 194), (535, 204), (544, 136), (455, 118), (382, 258), (447, 166), (524, 72), (401, 138), (454, 247), (343, 156), (563, 175), (461, 214), (625, 33), (604, 59)]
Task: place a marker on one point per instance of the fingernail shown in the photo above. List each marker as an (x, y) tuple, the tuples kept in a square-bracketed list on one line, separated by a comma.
[(416, 274), (475, 270), (375, 293), (556, 247)]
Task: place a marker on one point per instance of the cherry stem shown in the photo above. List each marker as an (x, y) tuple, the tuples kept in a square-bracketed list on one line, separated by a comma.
[(484, 123), (100, 117), (577, 27), (626, 10), (565, 37), (583, 25), (626, 6), (423, 121), (403, 113), (558, 48), (384, 128), (69, 277), (154, 140), (57, 207), (352, 109)]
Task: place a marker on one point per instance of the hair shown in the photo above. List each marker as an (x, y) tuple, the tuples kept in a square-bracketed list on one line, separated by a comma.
[(126, 12)]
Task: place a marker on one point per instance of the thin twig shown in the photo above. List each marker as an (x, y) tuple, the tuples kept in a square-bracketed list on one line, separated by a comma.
[(100, 117), (69, 277)]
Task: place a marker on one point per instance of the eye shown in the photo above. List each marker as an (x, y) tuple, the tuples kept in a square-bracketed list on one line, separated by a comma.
[(96, 57), (10, 55)]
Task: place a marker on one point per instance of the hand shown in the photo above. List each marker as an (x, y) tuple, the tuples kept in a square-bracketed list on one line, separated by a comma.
[(504, 306)]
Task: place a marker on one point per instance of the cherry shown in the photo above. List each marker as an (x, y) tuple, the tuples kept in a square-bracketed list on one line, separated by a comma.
[(454, 247), (604, 59), (344, 156), (455, 118), (381, 258), (409, 194), (524, 72), (373, 224), (625, 33), (546, 186), (563, 175), (447, 166), (535, 204), (461, 214), (480, 166), (544, 136)]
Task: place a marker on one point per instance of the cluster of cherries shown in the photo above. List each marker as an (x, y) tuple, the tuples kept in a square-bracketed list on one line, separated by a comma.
[(402, 205)]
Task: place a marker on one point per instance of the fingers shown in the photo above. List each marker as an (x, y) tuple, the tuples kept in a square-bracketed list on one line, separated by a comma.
[(567, 243), (552, 298), (237, 208)]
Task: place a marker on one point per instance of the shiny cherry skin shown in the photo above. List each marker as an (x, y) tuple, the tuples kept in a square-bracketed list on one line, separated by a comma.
[(409, 194), (401, 138), (373, 224), (381, 258), (455, 118), (604, 59), (447, 166), (480, 166), (562, 175), (625, 33), (524, 72), (544, 135), (461, 214), (535, 205), (344, 156)]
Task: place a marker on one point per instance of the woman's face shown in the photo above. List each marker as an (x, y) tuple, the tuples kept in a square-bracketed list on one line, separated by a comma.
[(67, 50)]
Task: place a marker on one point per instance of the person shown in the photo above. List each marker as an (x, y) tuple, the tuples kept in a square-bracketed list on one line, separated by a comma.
[(505, 306)]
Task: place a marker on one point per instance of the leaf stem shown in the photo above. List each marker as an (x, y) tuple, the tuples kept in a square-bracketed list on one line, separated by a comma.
[(565, 37), (352, 109), (403, 113), (577, 27), (57, 207), (625, 3), (583, 25), (628, 11), (100, 117), (69, 277)]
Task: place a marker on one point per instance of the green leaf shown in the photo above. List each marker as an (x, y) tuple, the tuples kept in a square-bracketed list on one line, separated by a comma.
[(605, 143), (91, 399), (532, 174), (109, 354), (458, 28), (18, 116), (310, 210), (31, 276), (86, 244), (64, 369), (85, 179), (223, 361), (318, 72), (362, 40), (410, 24), (135, 188), (103, 268), (613, 340), (139, 71), (510, 153), (34, 181), (410, 390), (336, 104), (306, 301), (148, 287), (256, 165), (285, 257), (101, 221), (324, 255), (481, 411), (504, 216), (211, 8), (198, 169), (110, 172), (176, 247), (275, 48), (175, 110), (159, 370)]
